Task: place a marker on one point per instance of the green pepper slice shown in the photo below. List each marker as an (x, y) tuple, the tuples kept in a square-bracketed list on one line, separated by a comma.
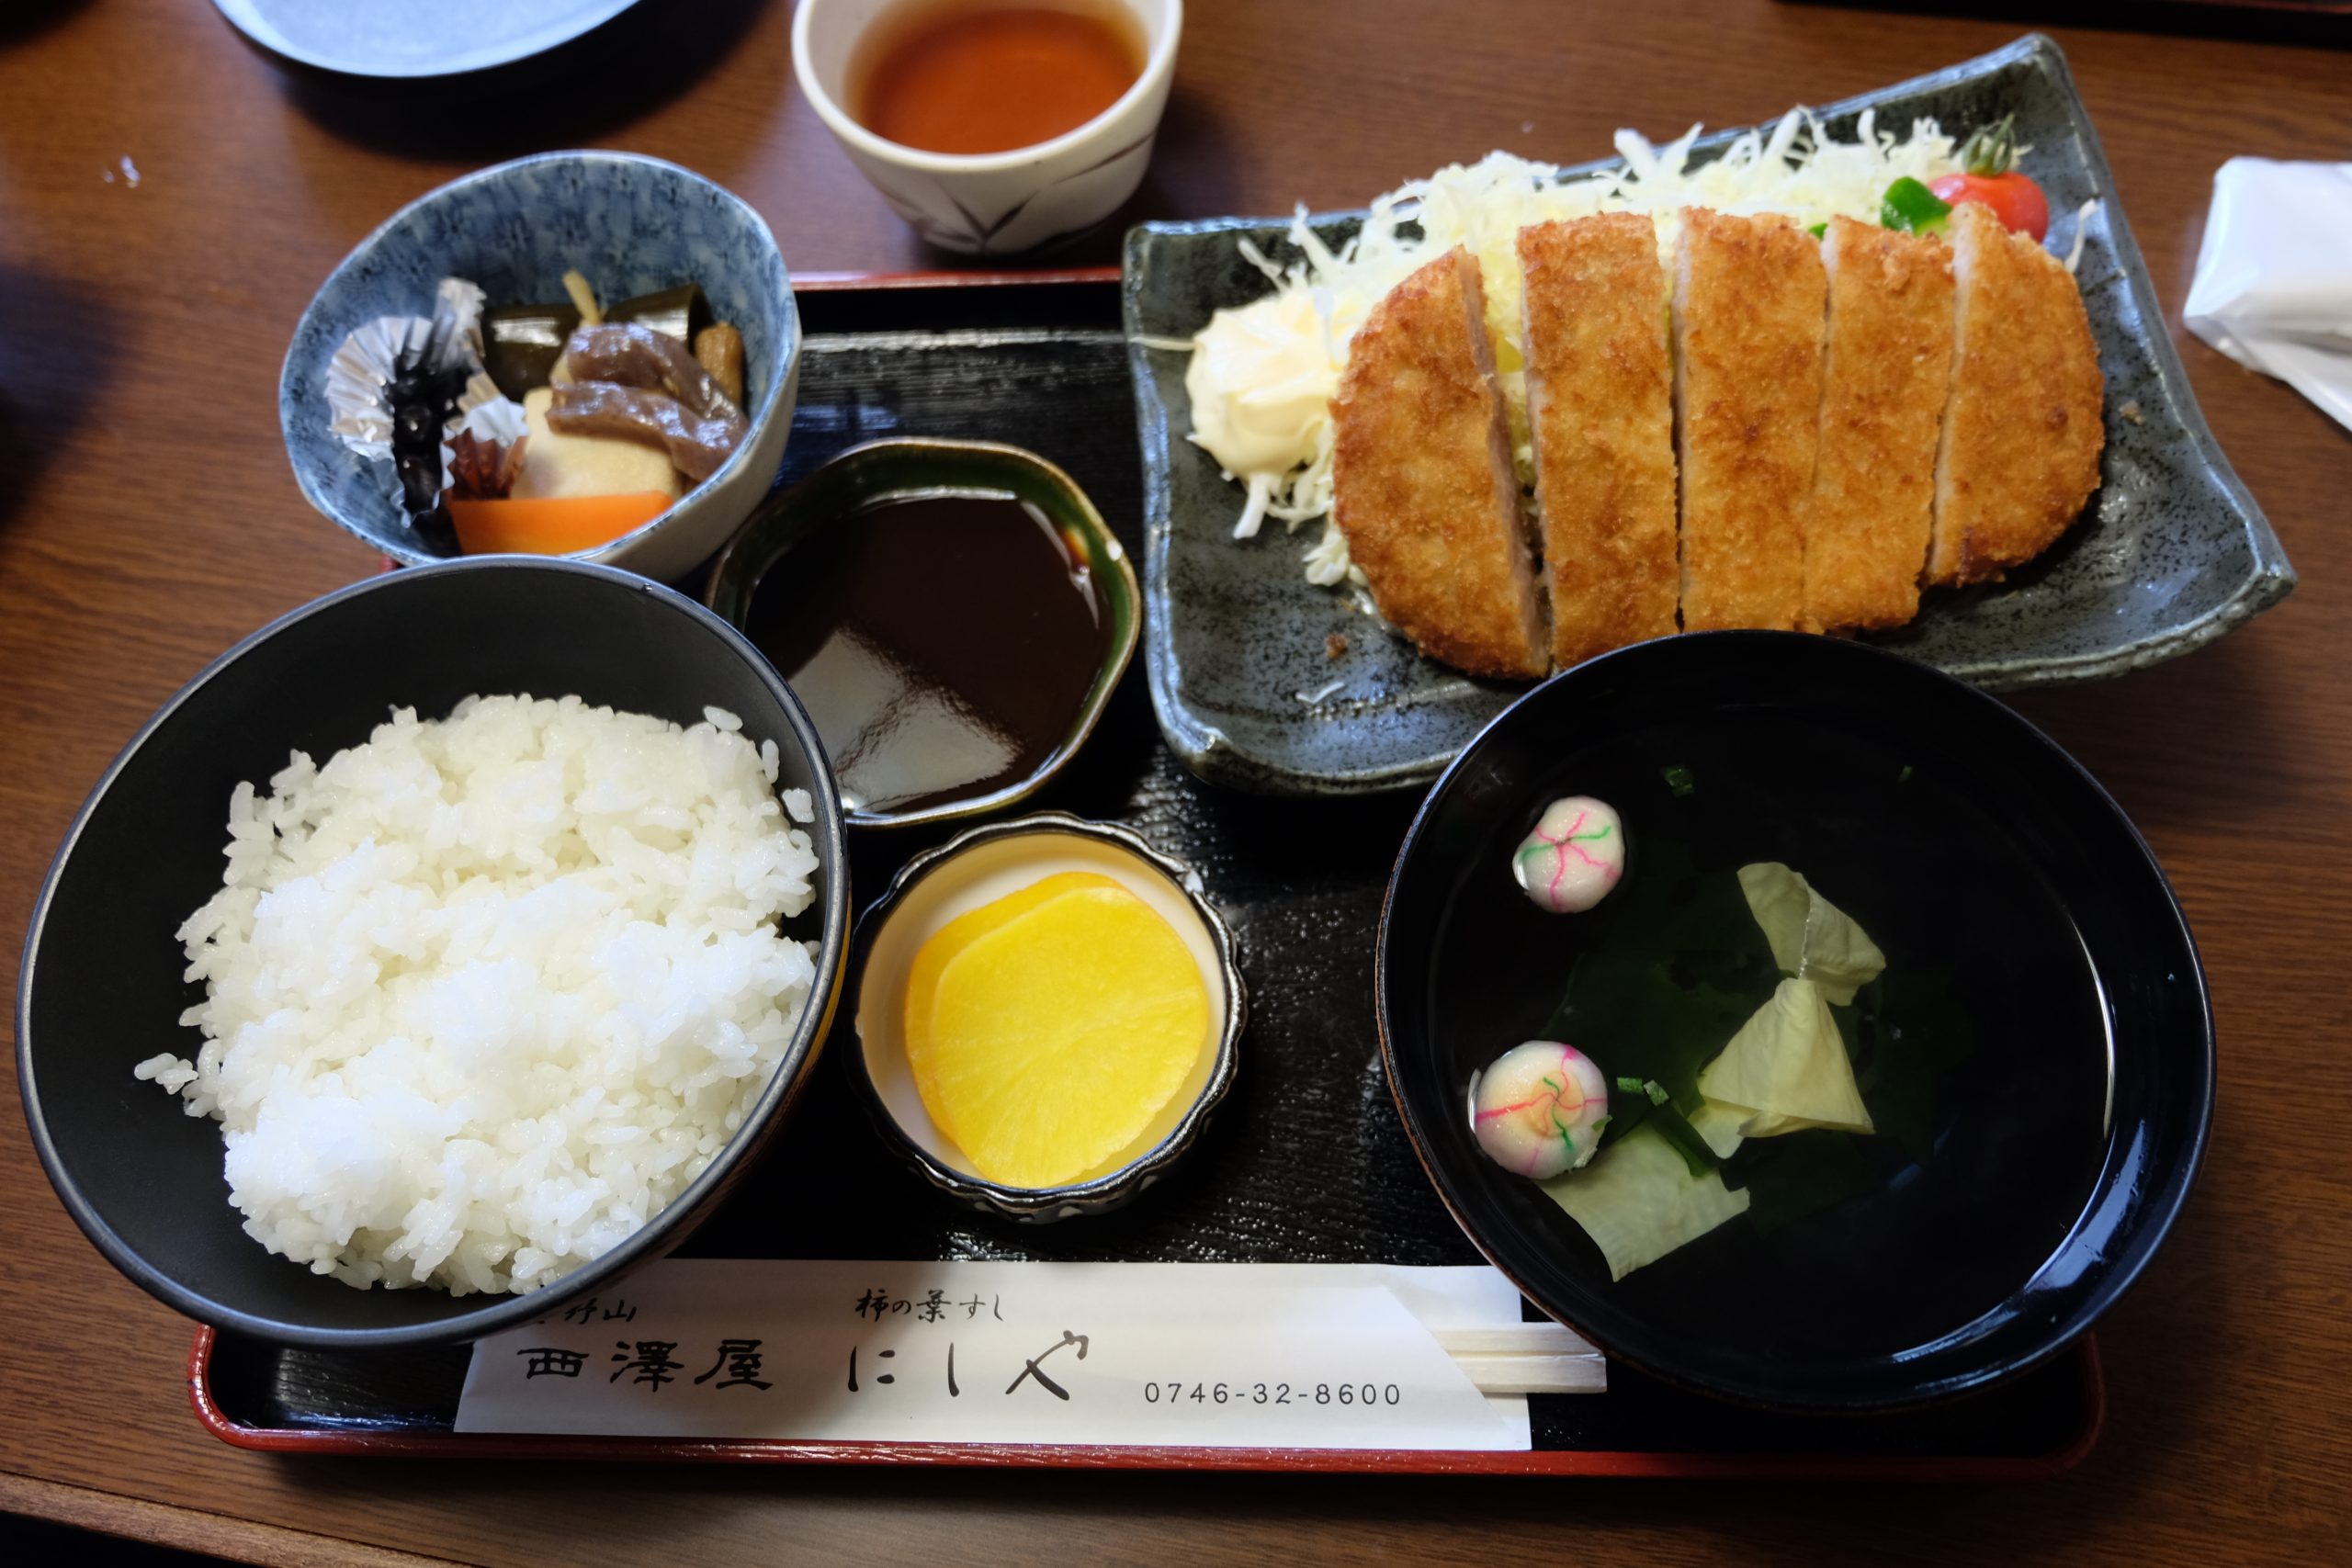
[(1912, 207)]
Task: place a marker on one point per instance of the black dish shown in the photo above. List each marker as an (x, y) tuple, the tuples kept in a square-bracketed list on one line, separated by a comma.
[(1970, 845), (101, 987)]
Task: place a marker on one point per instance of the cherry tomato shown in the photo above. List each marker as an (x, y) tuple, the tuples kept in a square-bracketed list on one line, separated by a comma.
[(2015, 200)]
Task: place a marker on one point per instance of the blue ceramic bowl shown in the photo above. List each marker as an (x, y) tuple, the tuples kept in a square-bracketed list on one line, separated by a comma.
[(631, 225)]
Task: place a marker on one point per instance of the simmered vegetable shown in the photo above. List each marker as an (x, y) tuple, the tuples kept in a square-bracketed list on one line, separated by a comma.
[(633, 383), (697, 446), (632, 355), (552, 527), (520, 344), (681, 312), (719, 350)]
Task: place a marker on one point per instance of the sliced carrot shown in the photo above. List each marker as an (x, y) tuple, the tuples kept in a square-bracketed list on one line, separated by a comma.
[(551, 526)]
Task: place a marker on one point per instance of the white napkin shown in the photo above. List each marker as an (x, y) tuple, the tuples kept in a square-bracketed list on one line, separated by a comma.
[(2274, 276)]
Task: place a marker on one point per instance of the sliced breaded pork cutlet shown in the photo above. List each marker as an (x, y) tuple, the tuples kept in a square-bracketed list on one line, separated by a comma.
[(1884, 374), (2021, 430), (1422, 481), (1748, 301), (1600, 402)]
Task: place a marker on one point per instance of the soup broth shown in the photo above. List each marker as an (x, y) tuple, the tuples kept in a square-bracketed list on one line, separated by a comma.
[(1991, 1105)]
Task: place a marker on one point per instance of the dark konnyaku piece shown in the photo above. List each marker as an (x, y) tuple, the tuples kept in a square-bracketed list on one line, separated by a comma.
[(697, 446)]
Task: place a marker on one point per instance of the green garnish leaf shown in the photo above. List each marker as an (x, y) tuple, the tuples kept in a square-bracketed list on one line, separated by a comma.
[(1818, 231), (1679, 780)]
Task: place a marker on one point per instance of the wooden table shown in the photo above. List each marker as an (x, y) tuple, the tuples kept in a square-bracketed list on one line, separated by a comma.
[(147, 520)]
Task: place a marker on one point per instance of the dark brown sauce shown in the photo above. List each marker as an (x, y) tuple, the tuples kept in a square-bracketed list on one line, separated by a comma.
[(943, 645)]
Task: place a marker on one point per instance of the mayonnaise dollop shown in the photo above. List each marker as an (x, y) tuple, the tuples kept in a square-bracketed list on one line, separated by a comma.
[(1261, 381)]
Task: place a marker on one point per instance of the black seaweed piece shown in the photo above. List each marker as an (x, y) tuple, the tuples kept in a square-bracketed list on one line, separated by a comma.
[(422, 395), (520, 344)]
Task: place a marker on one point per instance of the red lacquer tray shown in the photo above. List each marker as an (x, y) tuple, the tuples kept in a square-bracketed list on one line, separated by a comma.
[(2065, 1402)]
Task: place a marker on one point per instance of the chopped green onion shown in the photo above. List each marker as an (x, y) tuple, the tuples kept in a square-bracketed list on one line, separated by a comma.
[(1818, 231), (1629, 1085), (1904, 776), (1651, 1088), (1913, 208), (1679, 780)]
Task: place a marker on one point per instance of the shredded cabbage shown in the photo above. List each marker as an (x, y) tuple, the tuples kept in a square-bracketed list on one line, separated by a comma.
[(1793, 167)]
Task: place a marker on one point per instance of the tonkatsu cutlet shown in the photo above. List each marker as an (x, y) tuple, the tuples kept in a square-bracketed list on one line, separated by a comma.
[(1885, 369), (2021, 430), (1748, 300), (1422, 481), (1600, 404)]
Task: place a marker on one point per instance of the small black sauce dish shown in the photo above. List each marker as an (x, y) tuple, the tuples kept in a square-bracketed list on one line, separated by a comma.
[(954, 615), (101, 985), (2026, 1179)]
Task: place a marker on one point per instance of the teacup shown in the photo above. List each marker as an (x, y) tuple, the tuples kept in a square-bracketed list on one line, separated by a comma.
[(993, 203)]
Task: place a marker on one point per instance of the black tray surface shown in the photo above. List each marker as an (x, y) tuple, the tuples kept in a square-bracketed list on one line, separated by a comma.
[(1306, 1161)]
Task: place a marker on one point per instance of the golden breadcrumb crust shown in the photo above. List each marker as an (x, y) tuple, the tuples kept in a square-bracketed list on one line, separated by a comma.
[(2021, 432), (1600, 404), (1749, 301), (1422, 481), (1886, 367)]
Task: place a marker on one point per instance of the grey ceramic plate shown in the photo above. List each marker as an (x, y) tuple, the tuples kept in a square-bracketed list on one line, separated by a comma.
[(2175, 553)]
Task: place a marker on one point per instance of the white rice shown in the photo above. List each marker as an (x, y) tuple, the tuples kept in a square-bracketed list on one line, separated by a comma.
[(483, 995)]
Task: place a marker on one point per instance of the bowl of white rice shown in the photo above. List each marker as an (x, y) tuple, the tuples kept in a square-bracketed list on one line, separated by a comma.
[(440, 953)]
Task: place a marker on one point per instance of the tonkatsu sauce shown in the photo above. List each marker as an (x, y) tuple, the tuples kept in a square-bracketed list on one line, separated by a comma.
[(974, 76), (943, 645)]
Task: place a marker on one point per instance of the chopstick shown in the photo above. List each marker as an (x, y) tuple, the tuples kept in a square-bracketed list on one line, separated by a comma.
[(1535, 1357)]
